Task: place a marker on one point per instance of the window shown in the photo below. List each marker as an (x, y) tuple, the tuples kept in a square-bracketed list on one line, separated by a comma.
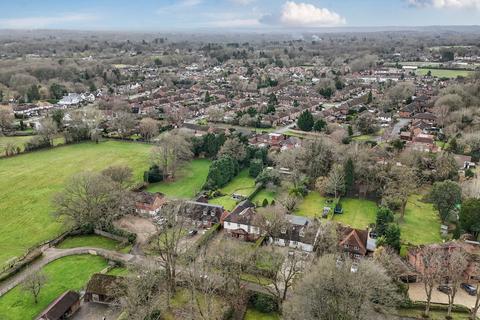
[(356, 248), (357, 256), (345, 246), (238, 225), (283, 230)]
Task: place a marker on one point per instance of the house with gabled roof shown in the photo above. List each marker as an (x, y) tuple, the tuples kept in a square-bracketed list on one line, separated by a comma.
[(240, 223), (61, 308), (355, 242), (300, 233)]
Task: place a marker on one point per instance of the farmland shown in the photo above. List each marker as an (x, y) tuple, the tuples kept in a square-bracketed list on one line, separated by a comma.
[(29, 181)]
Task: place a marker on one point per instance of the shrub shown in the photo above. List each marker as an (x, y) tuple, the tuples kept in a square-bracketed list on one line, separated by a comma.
[(265, 203), (154, 174), (264, 303)]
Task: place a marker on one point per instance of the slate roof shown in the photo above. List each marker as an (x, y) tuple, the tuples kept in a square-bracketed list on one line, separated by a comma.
[(60, 306)]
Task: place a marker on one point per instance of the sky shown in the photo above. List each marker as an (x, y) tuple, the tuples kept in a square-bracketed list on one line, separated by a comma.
[(218, 15)]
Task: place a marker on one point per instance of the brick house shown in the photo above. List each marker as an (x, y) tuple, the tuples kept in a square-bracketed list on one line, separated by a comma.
[(149, 203), (355, 242)]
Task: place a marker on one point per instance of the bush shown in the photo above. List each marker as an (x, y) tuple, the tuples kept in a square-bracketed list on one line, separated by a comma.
[(154, 174), (256, 166), (265, 202), (264, 303), (36, 143)]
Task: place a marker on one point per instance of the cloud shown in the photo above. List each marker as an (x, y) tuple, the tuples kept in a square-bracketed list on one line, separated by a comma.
[(446, 4), (44, 22), (189, 3), (295, 14)]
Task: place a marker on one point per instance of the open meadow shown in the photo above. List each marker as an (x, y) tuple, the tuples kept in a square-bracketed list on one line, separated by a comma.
[(28, 183)]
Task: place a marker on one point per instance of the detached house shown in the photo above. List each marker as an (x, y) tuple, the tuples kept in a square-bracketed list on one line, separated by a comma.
[(103, 288), (62, 308), (300, 233), (355, 243), (240, 223), (204, 215), (149, 203)]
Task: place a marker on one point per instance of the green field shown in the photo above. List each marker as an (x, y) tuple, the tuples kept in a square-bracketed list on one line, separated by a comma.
[(421, 224), (188, 183), (28, 183), (20, 141), (445, 73), (63, 274), (357, 213), (270, 195)]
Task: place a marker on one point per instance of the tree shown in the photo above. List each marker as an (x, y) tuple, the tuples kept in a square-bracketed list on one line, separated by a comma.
[(221, 171), (431, 273), (335, 182), (319, 125), (148, 128), (370, 97), (171, 150), (392, 236), (349, 170), (6, 118), (445, 195), (399, 183), (327, 239), (47, 130), (92, 200), (305, 121), (57, 117), (268, 176), (34, 283), (350, 130), (366, 123), (124, 123), (446, 167), (470, 216), (330, 290), (120, 174), (154, 174), (57, 91), (315, 158), (33, 94), (169, 234), (234, 149), (384, 218), (271, 219), (456, 265), (256, 167)]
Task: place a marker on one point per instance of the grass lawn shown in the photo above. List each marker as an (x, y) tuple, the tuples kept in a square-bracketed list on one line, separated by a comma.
[(421, 224), (180, 305), (264, 194), (445, 73), (66, 273), (253, 314), (90, 240), (242, 184), (29, 181), (188, 183), (17, 141), (226, 202), (118, 271), (365, 137), (311, 206), (357, 213)]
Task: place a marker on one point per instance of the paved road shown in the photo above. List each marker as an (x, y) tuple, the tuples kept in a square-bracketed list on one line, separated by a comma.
[(402, 122)]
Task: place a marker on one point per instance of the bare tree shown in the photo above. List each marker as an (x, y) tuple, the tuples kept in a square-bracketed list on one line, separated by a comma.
[(34, 283), (271, 220), (215, 114), (124, 123), (442, 112), (327, 239), (391, 261), (119, 174), (334, 184), (289, 202), (143, 296), (454, 271), (233, 148), (167, 239), (6, 118), (172, 149), (47, 130), (148, 128), (432, 263), (332, 289), (92, 200)]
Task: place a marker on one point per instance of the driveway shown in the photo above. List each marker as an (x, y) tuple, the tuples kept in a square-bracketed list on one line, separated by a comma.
[(416, 292), (96, 311)]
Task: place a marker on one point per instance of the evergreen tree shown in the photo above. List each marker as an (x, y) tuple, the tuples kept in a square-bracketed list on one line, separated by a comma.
[(319, 125), (392, 236), (256, 166), (370, 97), (350, 131), (305, 122), (349, 174), (384, 218)]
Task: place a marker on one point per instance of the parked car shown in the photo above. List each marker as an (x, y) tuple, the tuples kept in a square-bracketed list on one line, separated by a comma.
[(444, 288), (192, 232), (471, 290)]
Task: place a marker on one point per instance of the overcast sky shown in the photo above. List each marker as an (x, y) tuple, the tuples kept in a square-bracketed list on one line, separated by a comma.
[(164, 15)]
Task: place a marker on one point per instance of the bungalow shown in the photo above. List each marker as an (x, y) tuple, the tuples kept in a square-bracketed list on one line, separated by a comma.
[(204, 215), (300, 233), (149, 203), (62, 308), (240, 223), (103, 288)]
